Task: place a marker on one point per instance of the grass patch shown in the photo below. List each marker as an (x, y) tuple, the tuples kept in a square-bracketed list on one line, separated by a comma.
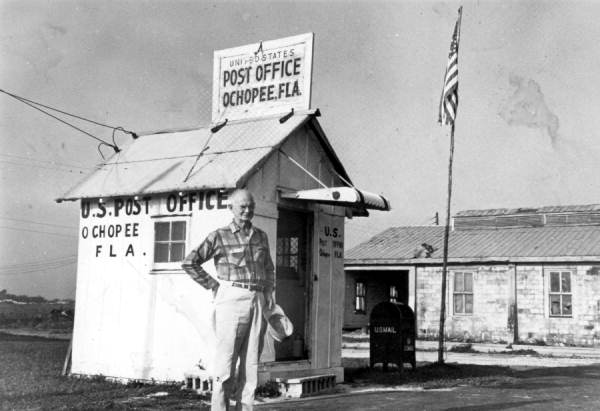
[(527, 351), (30, 379), (433, 375)]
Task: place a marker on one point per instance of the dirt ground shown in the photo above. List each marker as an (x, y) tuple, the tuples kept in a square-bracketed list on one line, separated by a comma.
[(486, 377)]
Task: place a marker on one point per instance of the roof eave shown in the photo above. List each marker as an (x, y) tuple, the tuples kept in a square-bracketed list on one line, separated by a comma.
[(472, 260), (309, 114)]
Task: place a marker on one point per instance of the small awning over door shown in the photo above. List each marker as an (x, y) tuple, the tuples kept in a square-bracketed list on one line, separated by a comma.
[(342, 196)]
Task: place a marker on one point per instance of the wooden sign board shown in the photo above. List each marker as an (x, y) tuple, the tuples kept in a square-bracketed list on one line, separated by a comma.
[(265, 78)]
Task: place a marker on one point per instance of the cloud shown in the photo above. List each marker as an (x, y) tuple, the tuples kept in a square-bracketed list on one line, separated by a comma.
[(527, 107)]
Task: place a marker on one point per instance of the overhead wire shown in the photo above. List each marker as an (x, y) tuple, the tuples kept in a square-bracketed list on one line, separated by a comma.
[(65, 170), (212, 153), (37, 231), (61, 120), (23, 99), (40, 160), (39, 269), (39, 263), (36, 222), (50, 265), (35, 104)]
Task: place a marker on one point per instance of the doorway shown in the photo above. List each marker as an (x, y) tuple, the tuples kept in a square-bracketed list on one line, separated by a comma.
[(293, 262)]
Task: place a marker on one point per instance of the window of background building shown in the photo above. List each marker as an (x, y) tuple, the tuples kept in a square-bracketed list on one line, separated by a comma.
[(560, 294), (360, 293), (463, 292)]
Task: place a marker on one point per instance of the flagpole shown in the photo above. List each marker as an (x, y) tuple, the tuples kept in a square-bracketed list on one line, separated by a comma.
[(450, 160), (445, 260)]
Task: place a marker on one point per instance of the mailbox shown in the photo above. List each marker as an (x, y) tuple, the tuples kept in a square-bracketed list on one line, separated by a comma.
[(392, 335)]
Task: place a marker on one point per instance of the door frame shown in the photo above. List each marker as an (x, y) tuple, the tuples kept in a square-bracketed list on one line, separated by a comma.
[(310, 255)]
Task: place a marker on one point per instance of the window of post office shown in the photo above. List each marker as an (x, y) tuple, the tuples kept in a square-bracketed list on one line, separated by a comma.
[(393, 294), (359, 301), (560, 294), (463, 292), (169, 243)]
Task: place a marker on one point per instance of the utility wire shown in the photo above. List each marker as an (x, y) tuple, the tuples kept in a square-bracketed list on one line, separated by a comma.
[(36, 267), (39, 265), (35, 222), (61, 120), (38, 262), (23, 99), (40, 160), (34, 104), (212, 153), (37, 270), (8, 162), (36, 231)]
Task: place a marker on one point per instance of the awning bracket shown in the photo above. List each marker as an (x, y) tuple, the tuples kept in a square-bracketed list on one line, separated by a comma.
[(303, 169)]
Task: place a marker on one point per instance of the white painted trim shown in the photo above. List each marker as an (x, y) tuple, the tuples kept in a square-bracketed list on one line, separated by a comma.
[(378, 268), (412, 287), (546, 286), (170, 267)]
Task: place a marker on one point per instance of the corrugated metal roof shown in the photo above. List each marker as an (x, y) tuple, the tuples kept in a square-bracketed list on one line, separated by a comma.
[(402, 244), (529, 210), (160, 162)]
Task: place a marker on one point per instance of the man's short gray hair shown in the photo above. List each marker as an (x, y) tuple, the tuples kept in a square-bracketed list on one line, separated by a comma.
[(238, 192)]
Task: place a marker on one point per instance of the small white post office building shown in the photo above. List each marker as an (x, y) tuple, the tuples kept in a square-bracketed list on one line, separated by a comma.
[(140, 316)]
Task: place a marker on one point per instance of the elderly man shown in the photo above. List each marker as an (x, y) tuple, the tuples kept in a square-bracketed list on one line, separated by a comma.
[(243, 289)]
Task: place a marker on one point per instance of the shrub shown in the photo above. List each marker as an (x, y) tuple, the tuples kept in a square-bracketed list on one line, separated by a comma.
[(270, 389), (462, 348)]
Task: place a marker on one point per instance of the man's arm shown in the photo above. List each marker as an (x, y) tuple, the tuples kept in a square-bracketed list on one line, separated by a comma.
[(193, 262), (270, 277)]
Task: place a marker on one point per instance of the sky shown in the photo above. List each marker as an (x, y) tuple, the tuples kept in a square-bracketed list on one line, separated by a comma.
[(526, 130)]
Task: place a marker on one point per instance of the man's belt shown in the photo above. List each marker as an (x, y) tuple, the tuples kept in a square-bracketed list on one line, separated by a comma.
[(248, 286)]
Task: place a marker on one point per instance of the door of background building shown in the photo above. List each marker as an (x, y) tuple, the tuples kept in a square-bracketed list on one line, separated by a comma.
[(293, 261)]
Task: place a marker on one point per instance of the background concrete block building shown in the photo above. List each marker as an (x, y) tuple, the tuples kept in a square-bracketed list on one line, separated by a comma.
[(527, 274)]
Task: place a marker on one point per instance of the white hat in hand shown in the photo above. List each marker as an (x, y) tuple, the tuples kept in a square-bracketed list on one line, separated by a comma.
[(279, 325)]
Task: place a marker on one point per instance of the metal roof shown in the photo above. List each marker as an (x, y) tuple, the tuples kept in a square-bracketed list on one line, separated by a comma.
[(404, 245), (529, 210), (160, 162)]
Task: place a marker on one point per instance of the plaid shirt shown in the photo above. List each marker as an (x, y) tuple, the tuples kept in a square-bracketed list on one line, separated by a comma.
[(237, 258)]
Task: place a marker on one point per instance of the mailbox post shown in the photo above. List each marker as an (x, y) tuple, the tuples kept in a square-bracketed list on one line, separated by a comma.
[(392, 335)]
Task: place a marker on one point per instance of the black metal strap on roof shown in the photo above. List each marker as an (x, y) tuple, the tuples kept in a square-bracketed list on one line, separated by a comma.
[(218, 126), (297, 164)]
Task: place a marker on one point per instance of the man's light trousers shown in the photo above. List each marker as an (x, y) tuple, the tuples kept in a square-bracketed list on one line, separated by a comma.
[(239, 330)]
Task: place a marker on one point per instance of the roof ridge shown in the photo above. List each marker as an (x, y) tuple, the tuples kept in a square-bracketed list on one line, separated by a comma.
[(208, 126)]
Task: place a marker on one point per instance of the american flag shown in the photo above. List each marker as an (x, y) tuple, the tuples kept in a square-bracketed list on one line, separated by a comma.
[(449, 100)]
